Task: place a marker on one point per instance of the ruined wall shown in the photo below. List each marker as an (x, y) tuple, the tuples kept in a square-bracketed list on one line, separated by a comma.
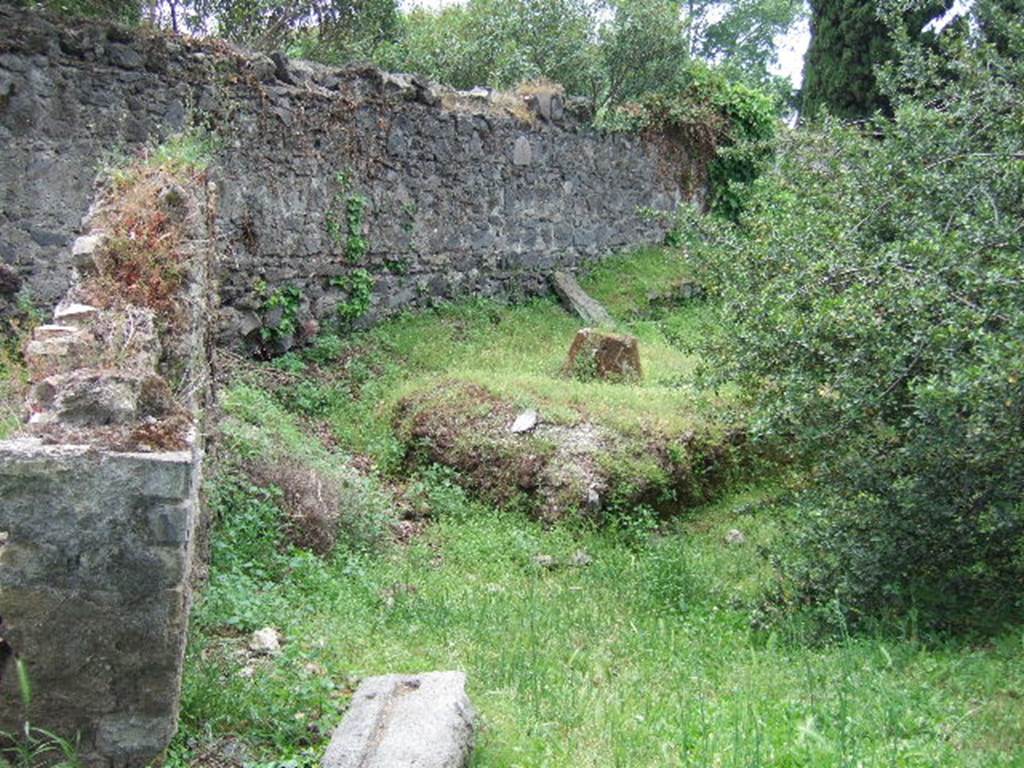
[(461, 195), (99, 493), (95, 550)]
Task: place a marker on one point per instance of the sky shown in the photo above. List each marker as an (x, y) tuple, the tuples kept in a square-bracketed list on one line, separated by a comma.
[(792, 46)]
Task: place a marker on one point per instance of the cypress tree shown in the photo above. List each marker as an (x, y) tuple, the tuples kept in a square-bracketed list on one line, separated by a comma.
[(848, 41)]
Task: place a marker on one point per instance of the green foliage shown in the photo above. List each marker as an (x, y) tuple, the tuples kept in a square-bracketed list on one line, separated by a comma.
[(849, 42), (333, 31), (181, 155), (641, 50), (498, 43), (346, 227), (610, 52), (123, 11), (582, 665), (356, 244), (357, 286), (730, 122), (739, 37), (280, 311), (875, 294)]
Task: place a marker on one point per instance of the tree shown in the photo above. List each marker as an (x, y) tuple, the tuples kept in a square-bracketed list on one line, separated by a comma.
[(849, 42), (874, 306), (642, 49), (124, 11), (739, 35), (498, 43), (330, 30)]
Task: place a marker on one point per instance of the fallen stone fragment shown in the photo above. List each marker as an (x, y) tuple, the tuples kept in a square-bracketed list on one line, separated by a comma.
[(602, 355), (524, 422), (405, 721), (735, 537), (265, 642), (545, 561), (578, 301)]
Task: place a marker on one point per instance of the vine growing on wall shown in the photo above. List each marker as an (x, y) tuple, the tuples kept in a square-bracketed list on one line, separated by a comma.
[(345, 220), (358, 289)]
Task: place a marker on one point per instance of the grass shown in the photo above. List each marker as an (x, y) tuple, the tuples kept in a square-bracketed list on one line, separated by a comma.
[(517, 352), (13, 382), (645, 657)]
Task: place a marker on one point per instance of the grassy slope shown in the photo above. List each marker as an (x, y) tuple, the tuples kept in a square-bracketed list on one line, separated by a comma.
[(643, 658), (517, 353)]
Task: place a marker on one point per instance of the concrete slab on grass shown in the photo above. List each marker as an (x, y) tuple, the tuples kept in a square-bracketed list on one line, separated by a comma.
[(405, 721)]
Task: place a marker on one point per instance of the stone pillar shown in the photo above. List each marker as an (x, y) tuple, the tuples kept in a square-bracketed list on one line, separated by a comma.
[(95, 554)]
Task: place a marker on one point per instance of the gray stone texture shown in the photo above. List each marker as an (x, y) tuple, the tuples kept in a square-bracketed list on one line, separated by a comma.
[(463, 199), (405, 721), (578, 301), (94, 592), (97, 545)]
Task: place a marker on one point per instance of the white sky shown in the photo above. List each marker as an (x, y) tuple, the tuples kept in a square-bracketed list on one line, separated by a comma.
[(792, 47)]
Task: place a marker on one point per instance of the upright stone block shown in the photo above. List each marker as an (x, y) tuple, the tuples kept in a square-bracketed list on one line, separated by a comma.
[(94, 594)]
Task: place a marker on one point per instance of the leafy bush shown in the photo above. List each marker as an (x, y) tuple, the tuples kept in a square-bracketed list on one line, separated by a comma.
[(875, 289), (730, 122)]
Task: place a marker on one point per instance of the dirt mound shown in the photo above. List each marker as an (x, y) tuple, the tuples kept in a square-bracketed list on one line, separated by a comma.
[(556, 468)]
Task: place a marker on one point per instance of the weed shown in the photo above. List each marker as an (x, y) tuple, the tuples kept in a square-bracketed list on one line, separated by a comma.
[(34, 747), (358, 289), (356, 245), (280, 312)]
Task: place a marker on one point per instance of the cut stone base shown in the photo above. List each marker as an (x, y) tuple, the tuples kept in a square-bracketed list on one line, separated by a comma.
[(406, 721), (597, 354)]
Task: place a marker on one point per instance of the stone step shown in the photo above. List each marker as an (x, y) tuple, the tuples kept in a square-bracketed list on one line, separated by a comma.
[(77, 315), (405, 721)]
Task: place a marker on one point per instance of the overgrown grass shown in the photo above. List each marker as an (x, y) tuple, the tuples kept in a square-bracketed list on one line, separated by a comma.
[(644, 656), (517, 353)]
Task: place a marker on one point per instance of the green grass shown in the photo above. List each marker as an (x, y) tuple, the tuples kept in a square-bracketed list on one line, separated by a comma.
[(645, 657), (517, 353)]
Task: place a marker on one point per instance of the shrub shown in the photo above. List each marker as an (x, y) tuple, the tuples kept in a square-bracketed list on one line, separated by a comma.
[(730, 124), (311, 502), (320, 500), (874, 290)]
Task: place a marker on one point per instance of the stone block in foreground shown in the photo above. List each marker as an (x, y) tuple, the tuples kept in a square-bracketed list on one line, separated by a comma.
[(406, 721)]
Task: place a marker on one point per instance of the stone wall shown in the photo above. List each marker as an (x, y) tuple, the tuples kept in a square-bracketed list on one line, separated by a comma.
[(99, 494), (463, 193), (95, 551)]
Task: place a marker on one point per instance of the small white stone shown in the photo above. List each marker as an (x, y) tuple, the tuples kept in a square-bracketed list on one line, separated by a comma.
[(86, 245), (735, 536), (75, 314), (265, 642), (524, 422), (52, 331)]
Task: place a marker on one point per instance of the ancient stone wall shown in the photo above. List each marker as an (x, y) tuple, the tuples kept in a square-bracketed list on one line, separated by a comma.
[(99, 493), (449, 193), (95, 551)]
